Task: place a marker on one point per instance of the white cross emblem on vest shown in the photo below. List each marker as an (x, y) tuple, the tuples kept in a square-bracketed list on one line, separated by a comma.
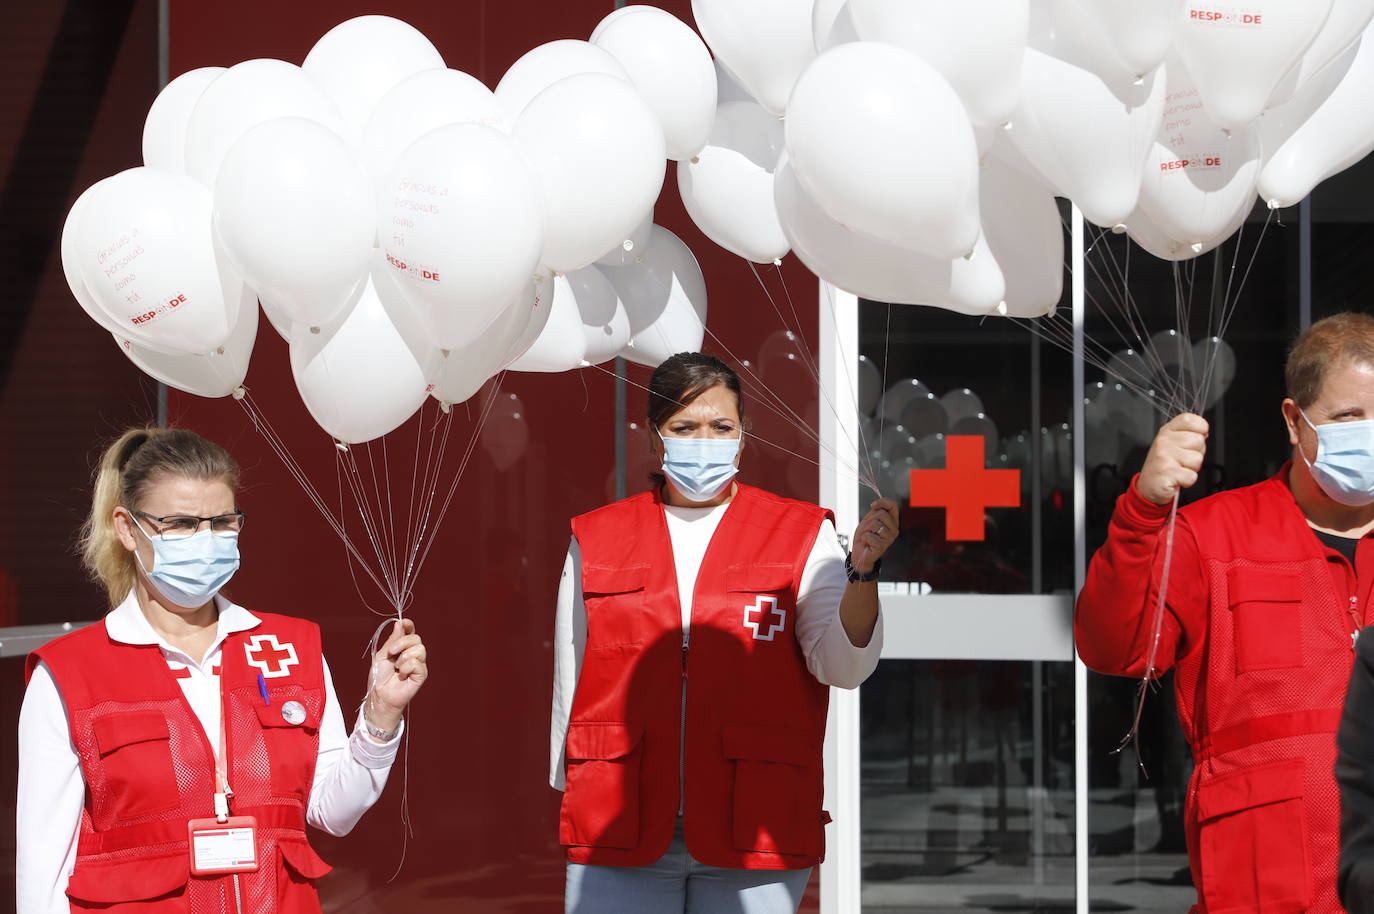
[(765, 606), (270, 658)]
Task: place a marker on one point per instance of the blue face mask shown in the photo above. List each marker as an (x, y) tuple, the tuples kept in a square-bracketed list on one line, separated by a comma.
[(1344, 467), (189, 571), (700, 468)]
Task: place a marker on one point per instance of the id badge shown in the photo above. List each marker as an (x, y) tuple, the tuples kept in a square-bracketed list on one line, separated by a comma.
[(223, 847)]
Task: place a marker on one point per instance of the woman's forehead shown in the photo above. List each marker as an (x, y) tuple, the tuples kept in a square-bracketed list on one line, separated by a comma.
[(714, 402)]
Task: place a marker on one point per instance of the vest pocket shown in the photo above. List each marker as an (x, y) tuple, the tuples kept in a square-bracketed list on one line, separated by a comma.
[(134, 879), (776, 799), (291, 748), (614, 599), (601, 797), (1253, 845), (136, 757), (1266, 616)]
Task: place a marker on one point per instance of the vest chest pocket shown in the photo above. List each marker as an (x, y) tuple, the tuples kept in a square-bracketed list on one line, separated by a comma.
[(290, 732), (601, 796), (614, 598), (136, 758), (776, 799), (1266, 617), (1253, 842), (763, 598)]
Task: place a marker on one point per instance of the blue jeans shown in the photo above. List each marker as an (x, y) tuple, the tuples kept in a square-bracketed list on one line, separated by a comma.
[(676, 882)]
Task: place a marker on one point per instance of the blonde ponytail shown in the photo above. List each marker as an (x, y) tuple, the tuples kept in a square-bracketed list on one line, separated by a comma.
[(126, 469)]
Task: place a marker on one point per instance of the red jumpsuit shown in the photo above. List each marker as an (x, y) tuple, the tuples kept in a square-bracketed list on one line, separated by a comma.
[(1259, 631)]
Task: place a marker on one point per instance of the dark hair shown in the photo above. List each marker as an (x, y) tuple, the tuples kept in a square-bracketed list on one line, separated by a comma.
[(130, 465), (682, 378), (1332, 341)]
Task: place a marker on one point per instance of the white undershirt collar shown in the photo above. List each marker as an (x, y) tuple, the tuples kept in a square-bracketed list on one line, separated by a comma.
[(127, 625)]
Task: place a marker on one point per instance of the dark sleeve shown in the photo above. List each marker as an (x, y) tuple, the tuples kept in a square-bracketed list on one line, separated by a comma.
[(1355, 777), (1114, 614)]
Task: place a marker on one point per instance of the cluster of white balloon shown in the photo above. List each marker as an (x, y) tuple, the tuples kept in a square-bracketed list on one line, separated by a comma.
[(1161, 119), (410, 232)]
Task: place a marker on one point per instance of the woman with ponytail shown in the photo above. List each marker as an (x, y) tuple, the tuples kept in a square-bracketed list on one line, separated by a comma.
[(171, 755)]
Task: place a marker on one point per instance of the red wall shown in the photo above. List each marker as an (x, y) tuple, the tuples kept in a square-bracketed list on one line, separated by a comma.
[(484, 822)]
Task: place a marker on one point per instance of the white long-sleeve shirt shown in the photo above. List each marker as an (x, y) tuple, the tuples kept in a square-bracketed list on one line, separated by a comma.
[(52, 789), (830, 656)]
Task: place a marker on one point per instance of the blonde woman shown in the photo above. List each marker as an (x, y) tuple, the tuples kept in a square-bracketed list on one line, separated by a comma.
[(171, 755)]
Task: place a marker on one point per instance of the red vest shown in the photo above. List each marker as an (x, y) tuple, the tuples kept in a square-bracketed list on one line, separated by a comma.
[(728, 726), (1261, 703), (149, 767)]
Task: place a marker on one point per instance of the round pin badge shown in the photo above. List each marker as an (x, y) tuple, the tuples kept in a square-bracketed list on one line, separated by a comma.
[(293, 712)]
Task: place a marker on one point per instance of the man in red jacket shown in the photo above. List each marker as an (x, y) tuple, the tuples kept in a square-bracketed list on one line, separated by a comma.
[(1268, 589)]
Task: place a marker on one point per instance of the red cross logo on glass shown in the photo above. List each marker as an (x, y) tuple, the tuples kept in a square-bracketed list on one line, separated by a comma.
[(965, 488), (756, 615), (271, 659)]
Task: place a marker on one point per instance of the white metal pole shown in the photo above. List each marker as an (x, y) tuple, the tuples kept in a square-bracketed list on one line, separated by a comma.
[(1080, 672), (841, 876)]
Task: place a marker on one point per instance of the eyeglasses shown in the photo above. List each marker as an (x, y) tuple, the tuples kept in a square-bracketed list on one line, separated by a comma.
[(180, 526)]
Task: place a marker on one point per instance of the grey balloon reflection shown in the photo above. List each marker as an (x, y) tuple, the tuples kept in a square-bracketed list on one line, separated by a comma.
[(896, 397), (506, 435), (925, 416), (960, 403), (979, 425)]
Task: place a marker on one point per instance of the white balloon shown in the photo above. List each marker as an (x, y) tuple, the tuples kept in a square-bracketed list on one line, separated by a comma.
[(1087, 137), (982, 63), (665, 298), (548, 63), (418, 104), (728, 88), (561, 345), (1024, 234), (605, 322), (874, 269), (1337, 135), (278, 319), (146, 254), (1153, 238), (358, 378), (164, 130), (597, 151), (728, 188), (1238, 55), (1279, 123), (630, 249), (294, 210), (1348, 20), (465, 369), (360, 60), (670, 67), (832, 24), (1119, 39), (71, 252), (765, 44), (1197, 175), (881, 141), (461, 227), (215, 374), (244, 96)]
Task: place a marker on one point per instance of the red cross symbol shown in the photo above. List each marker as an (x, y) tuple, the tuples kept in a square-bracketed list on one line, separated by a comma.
[(272, 661), (964, 488), (754, 617)]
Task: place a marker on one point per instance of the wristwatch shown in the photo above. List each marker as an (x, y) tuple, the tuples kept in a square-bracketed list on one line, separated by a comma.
[(380, 735), (853, 573)]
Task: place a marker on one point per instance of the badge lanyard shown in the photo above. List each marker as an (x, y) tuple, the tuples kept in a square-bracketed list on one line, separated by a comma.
[(223, 845)]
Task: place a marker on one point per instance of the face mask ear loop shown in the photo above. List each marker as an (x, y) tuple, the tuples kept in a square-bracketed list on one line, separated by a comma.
[(1302, 412)]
